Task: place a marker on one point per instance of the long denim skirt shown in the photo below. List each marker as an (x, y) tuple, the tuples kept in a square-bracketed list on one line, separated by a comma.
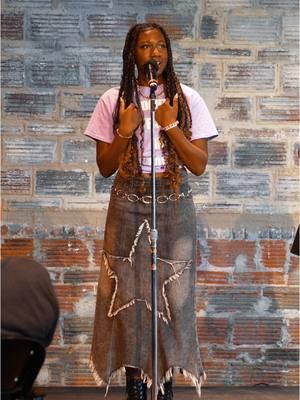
[(122, 328)]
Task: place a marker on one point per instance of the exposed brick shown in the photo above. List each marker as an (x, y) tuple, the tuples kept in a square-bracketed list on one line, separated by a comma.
[(228, 4), (251, 133), (184, 61), (11, 129), (212, 330), (290, 28), (79, 374), (12, 72), (250, 76), (290, 77), (200, 184), (64, 253), (258, 278), (231, 299), (97, 252), (282, 298), (114, 26), (106, 71), (292, 378), (80, 276), (226, 253), (209, 27), (15, 181), (256, 331), (226, 52), (254, 153), (50, 72), (282, 355), (278, 3), (244, 353), (278, 109), (29, 151), (78, 330), (217, 373), (237, 108), (32, 204), (287, 188), (79, 151), (272, 253), (71, 4), (294, 270), (293, 330), (243, 184), (296, 153), (51, 130), (212, 277), (210, 75), (278, 54), (56, 182), (258, 375), (218, 153), (176, 25), (17, 248), (253, 28), (28, 104), (69, 295), (103, 185), (54, 26), (29, 3), (12, 26), (78, 105)]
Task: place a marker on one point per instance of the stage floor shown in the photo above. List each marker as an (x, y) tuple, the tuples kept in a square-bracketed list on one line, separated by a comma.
[(181, 393)]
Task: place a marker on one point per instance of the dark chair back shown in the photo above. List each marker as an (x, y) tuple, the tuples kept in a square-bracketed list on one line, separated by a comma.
[(21, 361)]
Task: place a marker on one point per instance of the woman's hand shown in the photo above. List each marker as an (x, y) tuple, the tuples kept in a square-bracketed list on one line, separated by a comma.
[(167, 114), (130, 118)]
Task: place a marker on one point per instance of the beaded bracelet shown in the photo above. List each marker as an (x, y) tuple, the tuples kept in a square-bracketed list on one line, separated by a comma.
[(170, 126), (122, 136)]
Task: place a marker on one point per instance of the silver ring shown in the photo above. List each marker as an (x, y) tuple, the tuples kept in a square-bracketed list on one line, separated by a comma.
[(162, 199), (133, 198), (148, 201)]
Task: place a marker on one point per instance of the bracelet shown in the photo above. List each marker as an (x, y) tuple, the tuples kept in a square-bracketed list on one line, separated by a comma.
[(170, 126), (122, 136)]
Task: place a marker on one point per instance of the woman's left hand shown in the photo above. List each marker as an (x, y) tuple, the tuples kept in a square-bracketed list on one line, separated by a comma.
[(167, 114)]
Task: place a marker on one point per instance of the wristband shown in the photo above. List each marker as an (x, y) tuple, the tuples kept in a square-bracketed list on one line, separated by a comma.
[(122, 136), (170, 126)]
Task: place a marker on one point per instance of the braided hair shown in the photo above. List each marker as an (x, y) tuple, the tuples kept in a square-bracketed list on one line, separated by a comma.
[(130, 164)]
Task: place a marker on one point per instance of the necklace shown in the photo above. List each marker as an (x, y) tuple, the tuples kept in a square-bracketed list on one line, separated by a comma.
[(148, 97)]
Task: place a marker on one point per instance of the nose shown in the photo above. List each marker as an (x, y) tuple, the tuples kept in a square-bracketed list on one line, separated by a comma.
[(155, 51)]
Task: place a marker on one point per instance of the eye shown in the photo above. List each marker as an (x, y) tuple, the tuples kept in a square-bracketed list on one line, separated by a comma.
[(162, 45), (145, 46)]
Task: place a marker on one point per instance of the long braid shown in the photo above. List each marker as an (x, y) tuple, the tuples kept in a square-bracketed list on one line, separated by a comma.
[(130, 164)]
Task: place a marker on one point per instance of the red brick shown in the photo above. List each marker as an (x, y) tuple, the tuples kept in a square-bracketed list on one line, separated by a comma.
[(236, 354), (212, 330), (97, 250), (69, 295), (212, 277), (64, 253), (292, 375), (223, 253), (256, 331), (293, 274), (293, 329), (273, 253), (12, 26), (258, 374), (217, 373), (232, 299), (285, 298), (259, 278), (17, 248)]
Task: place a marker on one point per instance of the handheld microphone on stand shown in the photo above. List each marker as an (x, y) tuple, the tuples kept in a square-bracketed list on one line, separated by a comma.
[(151, 68)]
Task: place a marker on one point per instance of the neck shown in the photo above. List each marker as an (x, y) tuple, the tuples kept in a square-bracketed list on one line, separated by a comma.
[(142, 80)]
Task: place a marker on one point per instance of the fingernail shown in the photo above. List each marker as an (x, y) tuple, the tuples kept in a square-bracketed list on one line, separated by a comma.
[(176, 96)]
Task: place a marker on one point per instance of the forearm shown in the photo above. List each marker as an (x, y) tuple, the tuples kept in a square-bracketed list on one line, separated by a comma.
[(192, 156), (108, 155)]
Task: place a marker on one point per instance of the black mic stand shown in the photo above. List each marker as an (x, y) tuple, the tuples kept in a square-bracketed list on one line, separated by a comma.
[(154, 238)]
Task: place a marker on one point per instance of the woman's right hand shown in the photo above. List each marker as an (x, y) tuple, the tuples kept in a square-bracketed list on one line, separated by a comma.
[(129, 117)]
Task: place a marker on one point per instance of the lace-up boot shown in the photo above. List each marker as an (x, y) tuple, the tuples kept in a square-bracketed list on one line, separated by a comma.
[(136, 389), (168, 395)]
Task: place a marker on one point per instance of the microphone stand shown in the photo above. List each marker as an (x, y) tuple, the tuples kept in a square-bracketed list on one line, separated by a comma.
[(154, 237)]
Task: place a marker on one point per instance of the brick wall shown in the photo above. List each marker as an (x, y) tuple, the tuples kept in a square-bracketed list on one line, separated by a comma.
[(242, 56)]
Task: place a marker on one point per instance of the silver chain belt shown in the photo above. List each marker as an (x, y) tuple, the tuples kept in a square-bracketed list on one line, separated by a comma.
[(133, 198)]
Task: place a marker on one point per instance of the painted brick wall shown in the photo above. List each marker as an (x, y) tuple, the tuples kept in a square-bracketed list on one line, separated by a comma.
[(242, 56)]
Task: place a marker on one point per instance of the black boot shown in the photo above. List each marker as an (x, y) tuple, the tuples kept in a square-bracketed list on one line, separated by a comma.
[(168, 392), (136, 389)]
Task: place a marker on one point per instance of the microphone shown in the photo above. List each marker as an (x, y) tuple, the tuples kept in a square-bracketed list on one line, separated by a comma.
[(151, 68)]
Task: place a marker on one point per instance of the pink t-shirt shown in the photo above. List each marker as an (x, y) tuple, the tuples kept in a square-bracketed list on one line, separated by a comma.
[(100, 126)]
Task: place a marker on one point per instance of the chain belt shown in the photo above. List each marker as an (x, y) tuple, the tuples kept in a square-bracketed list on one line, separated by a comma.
[(133, 198)]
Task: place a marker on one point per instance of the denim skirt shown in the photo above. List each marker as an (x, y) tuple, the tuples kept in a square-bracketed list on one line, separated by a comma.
[(122, 328)]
